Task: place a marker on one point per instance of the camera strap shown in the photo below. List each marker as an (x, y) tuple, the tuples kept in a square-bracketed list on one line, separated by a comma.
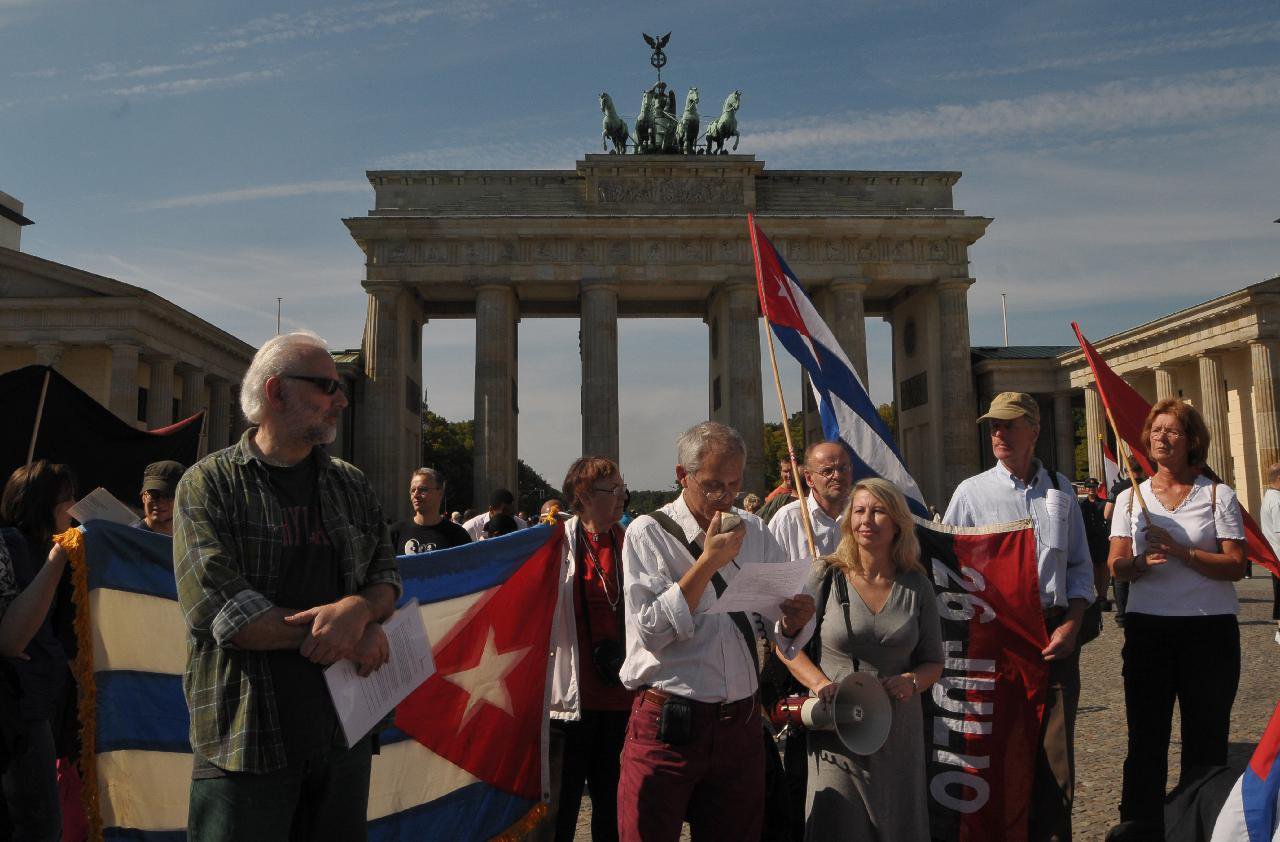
[(717, 582)]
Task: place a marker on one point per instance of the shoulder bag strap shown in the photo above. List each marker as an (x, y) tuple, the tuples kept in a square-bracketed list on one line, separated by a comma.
[(842, 591), (717, 581)]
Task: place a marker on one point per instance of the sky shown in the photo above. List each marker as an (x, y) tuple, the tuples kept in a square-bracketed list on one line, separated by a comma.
[(1128, 154)]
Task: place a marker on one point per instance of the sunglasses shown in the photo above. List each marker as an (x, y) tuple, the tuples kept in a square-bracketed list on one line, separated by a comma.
[(324, 384)]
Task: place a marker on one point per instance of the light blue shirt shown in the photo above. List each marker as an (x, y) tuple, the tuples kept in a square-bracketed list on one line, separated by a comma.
[(997, 496), (1271, 519), (686, 650)]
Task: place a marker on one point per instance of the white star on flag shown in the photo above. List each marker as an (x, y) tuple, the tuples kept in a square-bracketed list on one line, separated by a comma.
[(487, 680)]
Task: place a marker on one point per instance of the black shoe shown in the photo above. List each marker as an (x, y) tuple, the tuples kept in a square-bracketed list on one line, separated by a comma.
[(1120, 620), (1136, 831)]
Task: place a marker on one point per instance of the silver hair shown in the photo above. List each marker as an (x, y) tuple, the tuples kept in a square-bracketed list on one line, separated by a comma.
[(275, 356), (431, 474), (695, 442)]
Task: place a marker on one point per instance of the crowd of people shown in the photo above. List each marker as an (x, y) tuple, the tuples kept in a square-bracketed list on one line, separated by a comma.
[(285, 563)]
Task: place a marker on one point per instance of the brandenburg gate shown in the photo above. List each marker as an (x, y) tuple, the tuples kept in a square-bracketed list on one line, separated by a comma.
[(649, 235)]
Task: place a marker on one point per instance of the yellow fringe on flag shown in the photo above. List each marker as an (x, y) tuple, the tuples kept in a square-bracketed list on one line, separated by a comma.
[(524, 826), (72, 541)]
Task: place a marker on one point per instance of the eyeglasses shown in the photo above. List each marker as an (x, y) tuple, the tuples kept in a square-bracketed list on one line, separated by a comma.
[(616, 491), (324, 384), (830, 471), (1172, 435), (711, 490)]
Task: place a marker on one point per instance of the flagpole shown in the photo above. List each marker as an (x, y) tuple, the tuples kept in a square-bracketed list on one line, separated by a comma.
[(782, 403), (1123, 445), (35, 429)]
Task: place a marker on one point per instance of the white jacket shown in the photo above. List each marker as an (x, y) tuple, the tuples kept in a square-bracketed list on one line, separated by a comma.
[(566, 660)]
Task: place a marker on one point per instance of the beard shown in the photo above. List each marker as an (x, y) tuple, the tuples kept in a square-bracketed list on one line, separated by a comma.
[(307, 429)]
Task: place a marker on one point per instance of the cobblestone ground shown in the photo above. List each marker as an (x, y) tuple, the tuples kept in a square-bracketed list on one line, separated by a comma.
[(1100, 728)]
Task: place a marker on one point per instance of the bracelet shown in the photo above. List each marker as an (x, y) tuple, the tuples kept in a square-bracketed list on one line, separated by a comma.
[(1191, 557)]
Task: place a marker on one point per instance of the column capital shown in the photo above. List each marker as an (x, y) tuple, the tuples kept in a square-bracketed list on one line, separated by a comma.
[(157, 358), (959, 284), (479, 284), (125, 347), (184, 368), (603, 284), (850, 285)]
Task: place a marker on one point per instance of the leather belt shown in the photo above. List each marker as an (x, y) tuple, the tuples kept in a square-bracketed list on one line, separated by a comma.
[(721, 710)]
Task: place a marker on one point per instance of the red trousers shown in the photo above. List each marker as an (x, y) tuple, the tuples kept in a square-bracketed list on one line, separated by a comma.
[(715, 781)]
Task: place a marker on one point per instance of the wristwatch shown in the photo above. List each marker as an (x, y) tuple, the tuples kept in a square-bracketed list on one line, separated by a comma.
[(915, 685)]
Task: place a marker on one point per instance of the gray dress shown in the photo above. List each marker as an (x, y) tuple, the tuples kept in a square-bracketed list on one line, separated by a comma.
[(881, 796)]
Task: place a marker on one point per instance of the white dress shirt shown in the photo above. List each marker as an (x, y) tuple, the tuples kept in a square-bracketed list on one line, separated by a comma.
[(687, 651), (997, 496), (788, 527), (475, 526), (1271, 519)]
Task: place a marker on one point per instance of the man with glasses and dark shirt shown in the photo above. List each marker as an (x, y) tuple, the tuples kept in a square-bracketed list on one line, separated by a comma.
[(694, 750), (284, 566), (428, 529), (159, 484)]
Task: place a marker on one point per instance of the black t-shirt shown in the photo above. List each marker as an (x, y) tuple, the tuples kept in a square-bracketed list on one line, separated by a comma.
[(408, 538)]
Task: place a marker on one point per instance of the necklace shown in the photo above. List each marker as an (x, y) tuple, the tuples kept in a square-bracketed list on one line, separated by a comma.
[(616, 596)]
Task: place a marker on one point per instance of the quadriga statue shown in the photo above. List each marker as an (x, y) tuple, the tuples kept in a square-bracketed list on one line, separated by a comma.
[(725, 126)]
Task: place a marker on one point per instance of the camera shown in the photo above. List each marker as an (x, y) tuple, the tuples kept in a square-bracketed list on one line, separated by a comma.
[(607, 657)]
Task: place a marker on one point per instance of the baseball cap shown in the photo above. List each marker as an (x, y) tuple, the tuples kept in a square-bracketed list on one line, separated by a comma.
[(1007, 406), (162, 477)]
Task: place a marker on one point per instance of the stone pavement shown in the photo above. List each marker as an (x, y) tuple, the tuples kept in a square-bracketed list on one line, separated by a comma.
[(1100, 727)]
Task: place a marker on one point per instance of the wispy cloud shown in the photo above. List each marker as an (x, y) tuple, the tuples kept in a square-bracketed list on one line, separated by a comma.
[(1113, 107), (1216, 39), (41, 73), (253, 194), (182, 87), (339, 20), (112, 70)]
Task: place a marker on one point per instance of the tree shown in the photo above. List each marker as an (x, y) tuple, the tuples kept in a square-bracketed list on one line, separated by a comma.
[(889, 414), (775, 449), (449, 447)]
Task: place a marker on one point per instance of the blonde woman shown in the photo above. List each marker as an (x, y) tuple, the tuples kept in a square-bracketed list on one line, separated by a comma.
[(878, 616)]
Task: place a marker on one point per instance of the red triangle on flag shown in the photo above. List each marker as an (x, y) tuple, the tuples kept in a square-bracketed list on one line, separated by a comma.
[(484, 709)]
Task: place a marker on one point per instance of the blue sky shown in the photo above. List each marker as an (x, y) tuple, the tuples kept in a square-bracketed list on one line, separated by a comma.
[(1128, 153)]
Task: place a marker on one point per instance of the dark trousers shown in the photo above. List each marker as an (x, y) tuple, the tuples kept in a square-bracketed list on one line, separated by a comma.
[(1195, 660), (587, 751), (715, 781), (31, 787), (323, 798), (1275, 598), (1122, 596), (1053, 788)]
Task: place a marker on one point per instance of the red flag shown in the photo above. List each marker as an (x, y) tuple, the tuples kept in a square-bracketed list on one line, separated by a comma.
[(1110, 470), (1128, 412)]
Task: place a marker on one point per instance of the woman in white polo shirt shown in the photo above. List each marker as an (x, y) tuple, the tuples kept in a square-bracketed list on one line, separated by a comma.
[(1182, 548)]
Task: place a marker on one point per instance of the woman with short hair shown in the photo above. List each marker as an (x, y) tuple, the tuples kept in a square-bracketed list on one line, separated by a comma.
[(33, 508), (589, 705), (1181, 548), (880, 617)]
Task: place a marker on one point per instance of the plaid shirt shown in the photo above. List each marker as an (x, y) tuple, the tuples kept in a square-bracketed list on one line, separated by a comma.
[(227, 545)]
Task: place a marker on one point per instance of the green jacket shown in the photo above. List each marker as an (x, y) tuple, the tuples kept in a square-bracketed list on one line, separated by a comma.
[(226, 550)]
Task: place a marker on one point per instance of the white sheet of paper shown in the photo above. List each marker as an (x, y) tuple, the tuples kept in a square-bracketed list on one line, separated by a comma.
[(762, 587), (362, 702), (1055, 531), (101, 504)]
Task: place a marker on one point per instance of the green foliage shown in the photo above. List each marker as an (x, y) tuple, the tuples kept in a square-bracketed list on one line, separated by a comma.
[(775, 449), (448, 446), (1082, 448), (643, 502), (889, 414)]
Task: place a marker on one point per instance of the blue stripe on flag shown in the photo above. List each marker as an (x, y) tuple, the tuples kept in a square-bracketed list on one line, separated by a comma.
[(129, 559), (141, 710), (1259, 799), (458, 571), (476, 811)]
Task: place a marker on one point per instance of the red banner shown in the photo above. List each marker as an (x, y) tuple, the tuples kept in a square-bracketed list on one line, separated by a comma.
[(982, 718)]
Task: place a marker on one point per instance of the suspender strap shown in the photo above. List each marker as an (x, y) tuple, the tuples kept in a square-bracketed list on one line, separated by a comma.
[(717, 581)]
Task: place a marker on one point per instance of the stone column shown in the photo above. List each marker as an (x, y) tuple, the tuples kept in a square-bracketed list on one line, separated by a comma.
[(1164, 383), (1095, 425), (1213, 405), (123, 399), (49, 353), (160, 393), (192, 391), (385, 395), (598, 341), (844, 311), (495, 417), (1064, 434), (1266, 424), (959, 407), (741, 373), (218, 429)]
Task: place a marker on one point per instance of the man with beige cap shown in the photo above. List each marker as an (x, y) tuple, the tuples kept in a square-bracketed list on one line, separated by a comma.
[(1020, 487)]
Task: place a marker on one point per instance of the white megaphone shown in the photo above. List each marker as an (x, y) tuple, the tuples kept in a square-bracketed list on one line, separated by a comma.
[(860, 713)]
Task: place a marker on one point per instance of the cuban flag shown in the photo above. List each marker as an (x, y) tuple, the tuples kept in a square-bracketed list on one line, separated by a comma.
[(466, 759), (847, 413), (1250, 812)]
